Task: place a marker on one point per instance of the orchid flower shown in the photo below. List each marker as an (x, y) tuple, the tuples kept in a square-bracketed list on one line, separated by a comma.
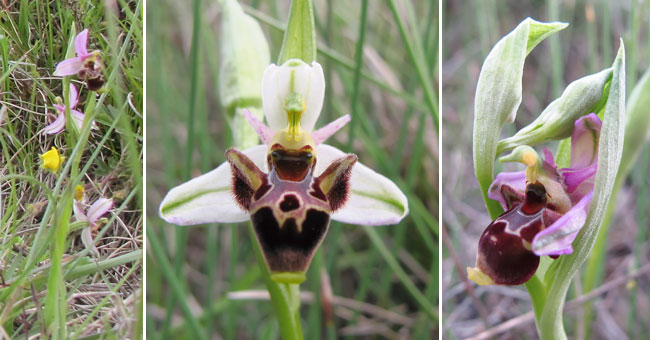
[(91, 215), (85, 65), (59, 124), (546, 208), (290, 186)]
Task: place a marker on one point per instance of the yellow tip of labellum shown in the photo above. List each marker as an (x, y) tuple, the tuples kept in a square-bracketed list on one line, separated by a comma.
[(288, 277), (479, 277)]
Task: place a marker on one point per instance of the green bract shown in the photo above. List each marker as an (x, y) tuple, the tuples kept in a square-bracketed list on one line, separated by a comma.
[(300, 37), (244, 56), (581, 97), (610, 149), (498, 95)]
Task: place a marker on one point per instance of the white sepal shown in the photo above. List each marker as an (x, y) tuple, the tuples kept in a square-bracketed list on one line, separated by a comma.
[(373, 200), (208, 198)]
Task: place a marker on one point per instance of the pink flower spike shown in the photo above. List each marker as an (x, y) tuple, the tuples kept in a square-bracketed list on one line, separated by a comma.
[(328, 130), (81, 43), (263, 131), (98, 209)]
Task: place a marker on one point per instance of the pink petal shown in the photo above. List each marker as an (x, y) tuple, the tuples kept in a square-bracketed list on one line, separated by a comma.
[(584, 141), (57, 126), (73, 95), (87, 240), (548, 158), (78, 118), (328, 130), (68, 67), (98, 209), (81, 43), (557, 238), (579, 181), (78, 209), (266, 135)]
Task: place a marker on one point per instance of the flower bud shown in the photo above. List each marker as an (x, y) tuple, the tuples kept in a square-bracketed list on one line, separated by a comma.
[(580, 98)]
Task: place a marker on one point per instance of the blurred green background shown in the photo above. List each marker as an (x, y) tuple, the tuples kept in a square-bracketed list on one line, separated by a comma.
[(377, 294), (588, 45)]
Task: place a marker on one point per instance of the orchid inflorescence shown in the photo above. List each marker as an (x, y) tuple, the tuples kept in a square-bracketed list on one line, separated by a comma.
[(549, 209), (290, 186), (86, 66)]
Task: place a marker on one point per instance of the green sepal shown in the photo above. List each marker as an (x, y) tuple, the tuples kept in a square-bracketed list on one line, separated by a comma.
[(498, 95)]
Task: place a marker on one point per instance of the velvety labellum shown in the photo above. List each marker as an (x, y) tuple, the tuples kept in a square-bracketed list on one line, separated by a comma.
[(91, 73), (504, 252), (289, 207)]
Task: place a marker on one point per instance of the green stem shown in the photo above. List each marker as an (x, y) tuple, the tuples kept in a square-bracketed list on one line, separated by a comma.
[(285, 297), (537, 293)]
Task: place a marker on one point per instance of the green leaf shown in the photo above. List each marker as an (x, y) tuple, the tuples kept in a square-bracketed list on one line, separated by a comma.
[(300, 37), (610, 149), (637, 130), (498, 95), (580, 98), (244, 56)]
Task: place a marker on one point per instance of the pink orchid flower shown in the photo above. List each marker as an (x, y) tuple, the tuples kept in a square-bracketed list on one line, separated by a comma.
[(59, 124), (545, 209), (91, 216), (73, 65)]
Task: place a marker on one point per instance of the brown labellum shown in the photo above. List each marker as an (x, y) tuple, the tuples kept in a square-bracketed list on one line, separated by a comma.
[(290, 209), (91, 73), (504, 251)]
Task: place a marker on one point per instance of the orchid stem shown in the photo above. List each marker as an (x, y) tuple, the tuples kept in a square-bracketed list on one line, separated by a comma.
[(285, 298), (537, 293)]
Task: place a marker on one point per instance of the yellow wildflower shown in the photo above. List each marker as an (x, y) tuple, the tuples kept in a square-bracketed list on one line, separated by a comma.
[(52, 160)]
